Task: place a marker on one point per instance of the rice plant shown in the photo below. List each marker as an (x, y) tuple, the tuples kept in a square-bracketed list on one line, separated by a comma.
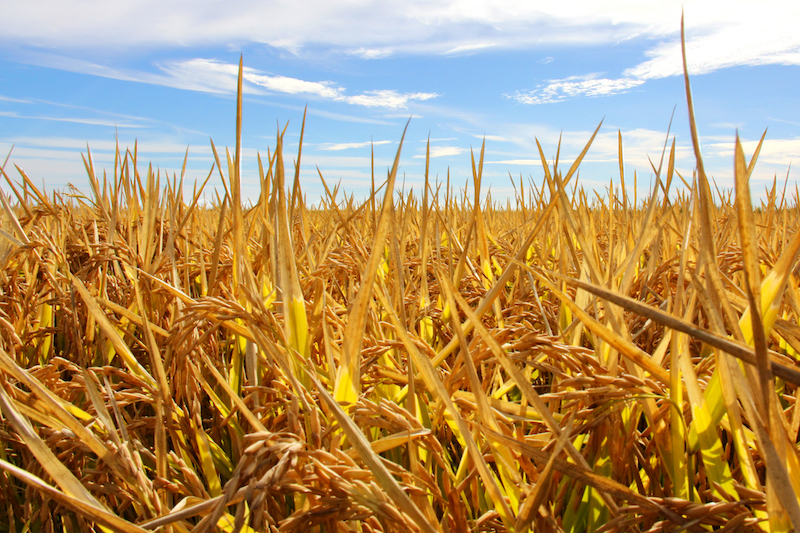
[(433, 362)]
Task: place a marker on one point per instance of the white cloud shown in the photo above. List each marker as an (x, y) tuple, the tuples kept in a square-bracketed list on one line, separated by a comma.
[(739, 33), (783, 152), (214, 76), (347, 146), (210, 75), (464, 48), (386, 98), (533, 162), (732, 126), (494, 138), (74, 120), (589, 85), (443, 151), (283, 84), (15, 100), (761, 37), (161, 145), (337, 162), (371, 29), (372, 53), (754, 41), (639, 145), (367, 28)]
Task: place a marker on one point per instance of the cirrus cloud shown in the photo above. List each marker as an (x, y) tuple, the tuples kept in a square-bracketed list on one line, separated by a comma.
[(443, 151), (219, 77), (335, 147), (386, 98), (589, 85), (736, 36)]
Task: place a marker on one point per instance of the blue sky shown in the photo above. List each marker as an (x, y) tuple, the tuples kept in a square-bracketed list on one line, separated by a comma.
[(78, 72)]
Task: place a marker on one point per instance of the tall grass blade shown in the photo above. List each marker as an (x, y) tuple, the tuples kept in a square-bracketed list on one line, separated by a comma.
[(348, 377)]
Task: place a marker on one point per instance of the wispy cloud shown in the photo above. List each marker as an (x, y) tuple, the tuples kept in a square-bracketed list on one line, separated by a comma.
[(332, 147), (533, 162), (774, 151), (495, 138), (386, 98), (369, 28), (74, 120), (784, 121), (589, 85), (15, 100), (728, 125), (159, 146), (756, 40), (373, 29), (313, 111), (211, 75), (716, 39), (372, 53), (443, 151), (219, 77), (639, 146), (466, 48)]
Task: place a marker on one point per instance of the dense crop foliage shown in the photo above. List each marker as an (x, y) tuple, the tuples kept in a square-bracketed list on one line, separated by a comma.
[(414, 362)]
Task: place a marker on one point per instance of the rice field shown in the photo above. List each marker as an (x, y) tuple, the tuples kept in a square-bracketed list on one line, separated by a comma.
[(423, 361)]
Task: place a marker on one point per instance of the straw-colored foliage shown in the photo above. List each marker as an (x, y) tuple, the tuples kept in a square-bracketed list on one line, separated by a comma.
[(419, 361)]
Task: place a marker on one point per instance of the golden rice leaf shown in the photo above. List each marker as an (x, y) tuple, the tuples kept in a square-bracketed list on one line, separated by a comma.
[(66, 412), (131, 315), (100, 407), (625, 347), (402, 438), (374, 462), (235, 398), (348, 378), (783, 487), (771, 291), (57, 471), (95, 513), (523, 384), (12, 217), (436, 387), (296, 320), (505, 277), (227, 524), (728, 345), (539, 492), (111, 333), (504, 459), (584, 475), (709, 439), (206, 461)]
